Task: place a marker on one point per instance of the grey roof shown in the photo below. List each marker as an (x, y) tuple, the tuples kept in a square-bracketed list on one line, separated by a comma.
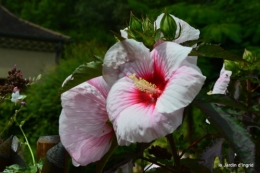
[(13, 26)]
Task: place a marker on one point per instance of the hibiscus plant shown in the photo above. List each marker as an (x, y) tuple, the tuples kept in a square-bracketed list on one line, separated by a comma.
[(140, 92)]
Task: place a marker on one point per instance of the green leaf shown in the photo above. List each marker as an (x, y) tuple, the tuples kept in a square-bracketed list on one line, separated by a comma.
[(83, 73), (194, 166), (211, 153), (15, 169), (156, 170), (40, 164), (191, 43), (231, 130), (221, 99), (214, 51), (32, 169)]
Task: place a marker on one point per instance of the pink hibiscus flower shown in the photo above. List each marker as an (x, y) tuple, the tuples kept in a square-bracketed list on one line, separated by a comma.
[(150, 89), (221, 84), (83, 127)]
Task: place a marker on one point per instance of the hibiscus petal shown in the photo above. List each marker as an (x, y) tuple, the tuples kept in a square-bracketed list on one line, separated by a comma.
[(181, 89), (124, 33), (135, 121), (221, 84), (82, 124), (168, 57), (125, 58), (187, 32)]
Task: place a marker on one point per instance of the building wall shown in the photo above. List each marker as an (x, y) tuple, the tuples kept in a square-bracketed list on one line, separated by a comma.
[(32, 63)]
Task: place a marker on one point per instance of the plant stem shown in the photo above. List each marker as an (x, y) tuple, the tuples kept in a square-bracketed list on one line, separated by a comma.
[(27, 143), (174, 150), (2, 98), (196, 142), (26, 140), (7, 125)]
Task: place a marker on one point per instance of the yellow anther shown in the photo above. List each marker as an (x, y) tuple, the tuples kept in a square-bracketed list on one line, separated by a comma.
[(143, 85)]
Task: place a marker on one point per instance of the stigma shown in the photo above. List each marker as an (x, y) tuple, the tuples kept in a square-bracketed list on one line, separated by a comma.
[(143, 85)]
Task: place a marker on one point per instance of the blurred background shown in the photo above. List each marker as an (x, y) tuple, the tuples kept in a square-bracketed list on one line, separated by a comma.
[(235, 25)]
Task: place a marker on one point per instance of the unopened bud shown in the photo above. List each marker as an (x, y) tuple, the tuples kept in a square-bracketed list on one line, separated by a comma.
[(168, 27)]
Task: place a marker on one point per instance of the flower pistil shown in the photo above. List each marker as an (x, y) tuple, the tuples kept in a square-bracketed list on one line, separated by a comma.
[(144, 85)]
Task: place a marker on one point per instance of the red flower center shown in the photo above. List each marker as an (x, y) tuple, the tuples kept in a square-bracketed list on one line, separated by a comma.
[(149, 87)]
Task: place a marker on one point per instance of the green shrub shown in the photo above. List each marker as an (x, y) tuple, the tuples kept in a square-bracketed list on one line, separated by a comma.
[(43, 105)]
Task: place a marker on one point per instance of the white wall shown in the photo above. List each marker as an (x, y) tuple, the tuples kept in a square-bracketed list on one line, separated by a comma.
[(32, 63)]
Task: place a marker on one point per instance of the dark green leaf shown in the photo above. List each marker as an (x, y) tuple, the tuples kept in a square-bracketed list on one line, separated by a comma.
[(231, 130), (83, 73), (211, 153), (194, 165), (222, 99), (214, 51), (156, 170), (191, 43)]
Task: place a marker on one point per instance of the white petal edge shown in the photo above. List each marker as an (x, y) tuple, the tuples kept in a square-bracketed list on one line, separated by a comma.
[(220, 87), (125, 58), (187, 31), (181, 89)]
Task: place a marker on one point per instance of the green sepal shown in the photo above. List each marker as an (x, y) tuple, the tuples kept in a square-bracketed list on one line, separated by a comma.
[(248, 56), (147, 41), (135, 23), (148, 27), (118, 36)]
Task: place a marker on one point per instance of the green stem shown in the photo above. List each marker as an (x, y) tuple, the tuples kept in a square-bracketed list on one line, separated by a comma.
[(2, 98), (196, 142), (7, 125), (27, 143), (174, 150), (26, 140)]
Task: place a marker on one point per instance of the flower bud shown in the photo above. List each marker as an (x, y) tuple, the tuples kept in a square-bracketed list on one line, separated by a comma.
[(248, 56), (168, 27)]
